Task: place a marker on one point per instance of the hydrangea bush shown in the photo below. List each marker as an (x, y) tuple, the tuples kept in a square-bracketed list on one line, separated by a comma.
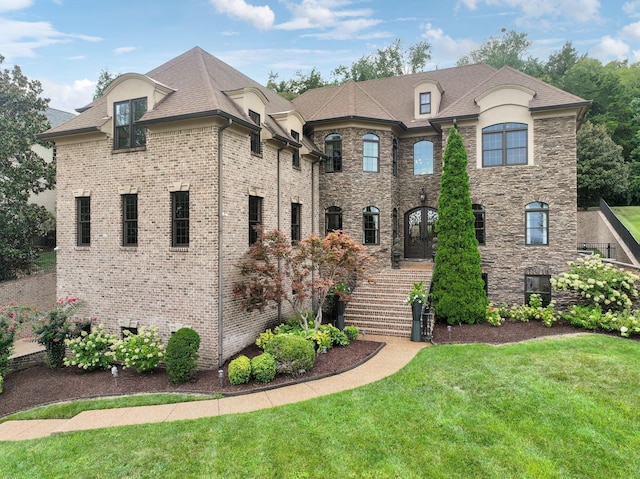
[(598, 283), (92, 350), (142, 351)]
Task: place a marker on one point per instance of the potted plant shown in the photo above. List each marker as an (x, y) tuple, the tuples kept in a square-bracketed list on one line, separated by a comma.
[(417, 298), (341, 292), (396, 251)]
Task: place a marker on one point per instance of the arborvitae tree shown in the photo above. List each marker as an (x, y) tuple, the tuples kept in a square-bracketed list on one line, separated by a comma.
[(458, 290)]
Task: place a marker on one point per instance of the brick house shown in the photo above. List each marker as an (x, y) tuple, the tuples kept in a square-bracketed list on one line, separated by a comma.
[(161, 180)]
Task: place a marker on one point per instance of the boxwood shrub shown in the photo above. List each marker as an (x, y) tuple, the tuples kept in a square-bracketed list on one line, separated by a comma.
[(264, 368), (240, 370), (181, 354), (293, 354)]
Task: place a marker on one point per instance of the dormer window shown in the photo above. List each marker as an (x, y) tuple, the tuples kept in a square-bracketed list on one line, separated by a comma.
[(295, 157), (255, 136), (425, 103), (127, 133)]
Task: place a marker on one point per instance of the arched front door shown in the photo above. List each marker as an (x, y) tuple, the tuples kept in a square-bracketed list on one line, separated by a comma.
[(419, 231)]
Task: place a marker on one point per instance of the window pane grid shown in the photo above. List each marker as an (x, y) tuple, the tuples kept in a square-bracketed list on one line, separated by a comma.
[(255, 217), (371, 225), (255, 136), (296, 210), (126, 114), (333, 219), (130, 220), (333, 149), (180, 218), (504, 144), (370, 153), (537, 224), (83, 205), (423, 158)]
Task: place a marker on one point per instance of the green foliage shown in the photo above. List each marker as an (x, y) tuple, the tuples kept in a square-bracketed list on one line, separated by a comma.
[(142, 351), (352, 332), (181, 354), (293, 354), (535, 311), (91, 351), (593, 317), (296, 86), (104, 79), (602, 171), (419, 293), (494, 316), (264, 338), (56, 326), (22, 171), (598, 283), (263, 368), (1, 382), (458, 290), (240, 370), (11, 315), (508, 49)]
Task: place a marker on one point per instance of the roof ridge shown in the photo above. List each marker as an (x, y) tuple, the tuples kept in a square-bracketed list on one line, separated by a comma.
[(373, 100), (204, 73)]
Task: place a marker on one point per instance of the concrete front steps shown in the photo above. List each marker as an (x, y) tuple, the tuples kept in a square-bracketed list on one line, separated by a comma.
[(379, 307)]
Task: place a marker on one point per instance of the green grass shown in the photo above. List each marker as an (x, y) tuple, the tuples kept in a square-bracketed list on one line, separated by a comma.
[(630, 217), (66, 410), (554, 408), (46, 261)]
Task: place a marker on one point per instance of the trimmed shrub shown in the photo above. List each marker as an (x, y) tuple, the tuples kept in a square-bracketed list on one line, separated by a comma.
[(240, 370), (181, 354), (264, 368), (351, 332), (293, 354)]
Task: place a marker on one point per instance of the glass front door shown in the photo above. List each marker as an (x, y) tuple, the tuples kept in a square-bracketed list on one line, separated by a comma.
[(419, 231)]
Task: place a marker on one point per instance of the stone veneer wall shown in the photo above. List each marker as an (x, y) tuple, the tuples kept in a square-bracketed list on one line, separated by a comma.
[(154, 284)]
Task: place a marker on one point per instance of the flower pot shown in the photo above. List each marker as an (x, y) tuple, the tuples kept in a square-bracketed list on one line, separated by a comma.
[(416, 311), (340, 314)]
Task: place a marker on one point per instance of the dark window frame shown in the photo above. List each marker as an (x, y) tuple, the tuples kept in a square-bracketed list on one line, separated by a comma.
[(370, 225), (532, 286), (533, 209), (130, 220), (180, 219), (394, 157), (430, 161), (479, 214), (370, 139), (332, 217), (504, 133), (296, 222), (333, 149), (128, 134), (254, 218), (425, 103), (83, 221), (295, 156), (256, 147)]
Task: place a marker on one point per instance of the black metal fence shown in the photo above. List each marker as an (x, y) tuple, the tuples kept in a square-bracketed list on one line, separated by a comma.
[(621, 229), (605, 250)]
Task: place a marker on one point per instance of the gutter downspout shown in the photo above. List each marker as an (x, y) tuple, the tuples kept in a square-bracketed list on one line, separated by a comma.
[(220, 243)]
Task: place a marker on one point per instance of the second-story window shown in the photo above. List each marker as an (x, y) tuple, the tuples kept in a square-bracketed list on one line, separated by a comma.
[(425, 103), (295, 159), (370, 152), (127, 133), (333, 149), (255, 136)]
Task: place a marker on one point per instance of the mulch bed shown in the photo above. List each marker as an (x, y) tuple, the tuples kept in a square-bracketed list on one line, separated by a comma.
[(40, 385)]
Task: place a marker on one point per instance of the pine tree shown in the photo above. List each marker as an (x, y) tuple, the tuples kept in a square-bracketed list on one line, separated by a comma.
[(458, 290)]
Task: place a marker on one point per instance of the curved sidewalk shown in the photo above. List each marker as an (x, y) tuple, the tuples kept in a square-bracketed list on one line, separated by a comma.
[(391, 358)]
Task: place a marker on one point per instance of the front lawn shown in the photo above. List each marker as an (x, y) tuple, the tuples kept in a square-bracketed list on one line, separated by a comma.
[(556, 408), (630, 217)]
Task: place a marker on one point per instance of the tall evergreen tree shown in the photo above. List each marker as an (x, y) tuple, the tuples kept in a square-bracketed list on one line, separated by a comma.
[(458, 290)]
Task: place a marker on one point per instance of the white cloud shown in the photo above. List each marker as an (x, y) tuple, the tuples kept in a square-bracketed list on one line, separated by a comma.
[(121, 50), (9, 5), (444, 49), (609, 49), (536, 10), (631, 32), (261, 17), (68, 97), (631, 8)]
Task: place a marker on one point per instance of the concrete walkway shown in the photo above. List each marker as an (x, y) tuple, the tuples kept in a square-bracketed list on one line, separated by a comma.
[(392, 357)]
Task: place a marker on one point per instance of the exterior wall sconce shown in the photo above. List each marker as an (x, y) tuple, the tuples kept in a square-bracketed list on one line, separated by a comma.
[(423, 196)]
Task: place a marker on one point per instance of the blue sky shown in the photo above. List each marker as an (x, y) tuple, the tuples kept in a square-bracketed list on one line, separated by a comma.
[(66, 43)]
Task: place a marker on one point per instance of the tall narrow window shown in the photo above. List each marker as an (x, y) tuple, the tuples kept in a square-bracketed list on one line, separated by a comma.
[(296, 215), (332, 219), (371, 225), (537, 284), (180, 219), (130, 220), (255, 217), (425, 103), (255, 135), (537, 223), (394, 157), (504, 144), (83, 215), (478, 213), (295, 159), (370, 152), (394, 225), (333, 149), (127, 133), (423, 158)]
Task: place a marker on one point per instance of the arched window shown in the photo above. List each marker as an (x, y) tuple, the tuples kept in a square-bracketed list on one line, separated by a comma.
[(333, 149), (370, 152), (423, 158), (332, 219), (478, 213), (504, 144), (537, 223), (371, 225)]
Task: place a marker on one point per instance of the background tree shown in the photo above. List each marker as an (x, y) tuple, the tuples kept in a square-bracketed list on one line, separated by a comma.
[(386, 62), (104, 79), (296, 86), (22, 171), (508, 49), (273, 272), (602, 172), (458, 289)]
